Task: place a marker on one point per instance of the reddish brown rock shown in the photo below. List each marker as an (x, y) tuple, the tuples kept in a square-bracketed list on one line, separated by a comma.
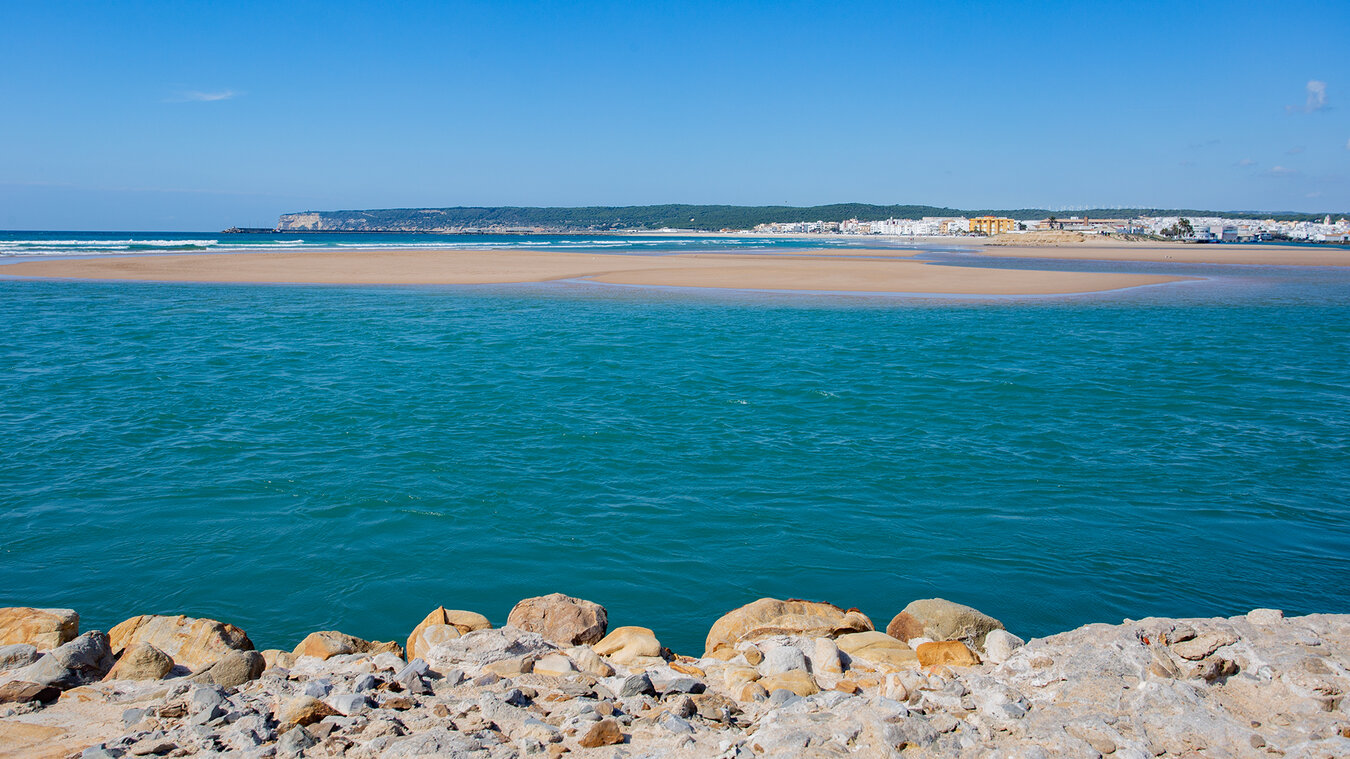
[(562, 620), (606, 732), (18, 692), (904, 626)]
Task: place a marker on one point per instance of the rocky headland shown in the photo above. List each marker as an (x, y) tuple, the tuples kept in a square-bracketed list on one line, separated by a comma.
[(776, 679)]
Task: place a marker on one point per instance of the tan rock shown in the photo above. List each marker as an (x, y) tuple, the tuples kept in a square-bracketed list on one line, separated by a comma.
[(606, 732), (945, 620), (232, 670), (626, 644), (561, 620), (752, 654), (304, 710), (735, 676), (847, 686), (879, 648), (554, 665), (798, 681), (519, 665), (825, 657), (461, 622), (192, 642), (687, 669), (141, 661), (44, 629), (326, 644), (770, 616), (275, 657), (751, 691), (947, 652), (904, 626), (588, 661)]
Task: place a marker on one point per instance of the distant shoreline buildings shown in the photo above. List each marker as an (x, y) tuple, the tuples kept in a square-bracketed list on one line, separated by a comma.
[(1201, 228)]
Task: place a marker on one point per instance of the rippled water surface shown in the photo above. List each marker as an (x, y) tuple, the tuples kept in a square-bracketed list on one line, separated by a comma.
[(301, 458)]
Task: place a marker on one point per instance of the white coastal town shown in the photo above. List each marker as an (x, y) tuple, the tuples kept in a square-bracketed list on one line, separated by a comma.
[(1191, 228)]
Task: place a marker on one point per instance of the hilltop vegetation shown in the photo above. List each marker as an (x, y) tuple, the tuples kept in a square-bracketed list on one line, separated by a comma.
[(691, 217)]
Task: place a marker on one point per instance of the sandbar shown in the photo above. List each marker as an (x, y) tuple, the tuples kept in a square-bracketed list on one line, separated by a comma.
[(886, 271), (1163, 252)]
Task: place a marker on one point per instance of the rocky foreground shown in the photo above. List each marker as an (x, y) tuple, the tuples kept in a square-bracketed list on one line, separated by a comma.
[(776, 679)]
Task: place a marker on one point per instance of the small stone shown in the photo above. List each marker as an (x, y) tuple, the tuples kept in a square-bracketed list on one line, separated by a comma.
[(516, 665), (294, 741), (749, 691), (949, 652), (1000, 644), (675, 723), (798, 682), (753, 656), (846, 686), (554, 665), (626, 644), (350, 703), (780, 659), (304, 710), (825, 657), (397, 703), (364, 683), (637, 685), (1203, 645), (684, 685), (606, 732), (1257, 741)]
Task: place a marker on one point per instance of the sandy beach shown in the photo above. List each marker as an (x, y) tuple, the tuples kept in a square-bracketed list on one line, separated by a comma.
[(887, 271)]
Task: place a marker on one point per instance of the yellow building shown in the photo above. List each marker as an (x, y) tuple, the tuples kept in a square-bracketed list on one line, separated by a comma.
[(992, 225)]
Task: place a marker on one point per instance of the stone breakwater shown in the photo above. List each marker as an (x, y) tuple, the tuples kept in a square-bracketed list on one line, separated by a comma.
[(776, 679)]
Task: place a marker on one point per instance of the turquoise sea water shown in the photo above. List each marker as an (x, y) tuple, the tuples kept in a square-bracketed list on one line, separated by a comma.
[(294, 458)]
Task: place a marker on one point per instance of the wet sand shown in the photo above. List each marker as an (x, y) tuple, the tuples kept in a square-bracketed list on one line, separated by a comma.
[(888, 271)]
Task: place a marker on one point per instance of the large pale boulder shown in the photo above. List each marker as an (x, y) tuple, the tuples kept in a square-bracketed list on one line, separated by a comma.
[(192, 642), (141, 661), (443, 625), (625, 644), (232, 670), (770, 616), (561, 620), (945, 620), (44, 629), (88, 657), (879, 648), (799, 681), (326, 644)]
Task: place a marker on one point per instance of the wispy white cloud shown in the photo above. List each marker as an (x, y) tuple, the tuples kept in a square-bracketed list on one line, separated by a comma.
[(1246, 162), (196, 96), (1347, 144), (1316, 98), (1295, 150), (1283, 171)]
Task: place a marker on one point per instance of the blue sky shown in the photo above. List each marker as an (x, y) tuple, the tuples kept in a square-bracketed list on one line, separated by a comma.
[(196, 116)]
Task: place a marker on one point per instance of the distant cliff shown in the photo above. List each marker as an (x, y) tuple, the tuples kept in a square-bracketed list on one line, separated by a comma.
[(690, 217)]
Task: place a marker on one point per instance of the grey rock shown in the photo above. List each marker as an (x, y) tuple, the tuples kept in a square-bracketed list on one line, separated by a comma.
[(782, 697), (684, 685), (88, 658), (99, 752), (415, 668), (293, 742), (637, 685), (17, 655), (132, 716), (205, 703), (437, 741), (780, 659), (318, 688), (417, 686), (365, 683), (674, 724), (45, 671), (999, 645), (350, 703)]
